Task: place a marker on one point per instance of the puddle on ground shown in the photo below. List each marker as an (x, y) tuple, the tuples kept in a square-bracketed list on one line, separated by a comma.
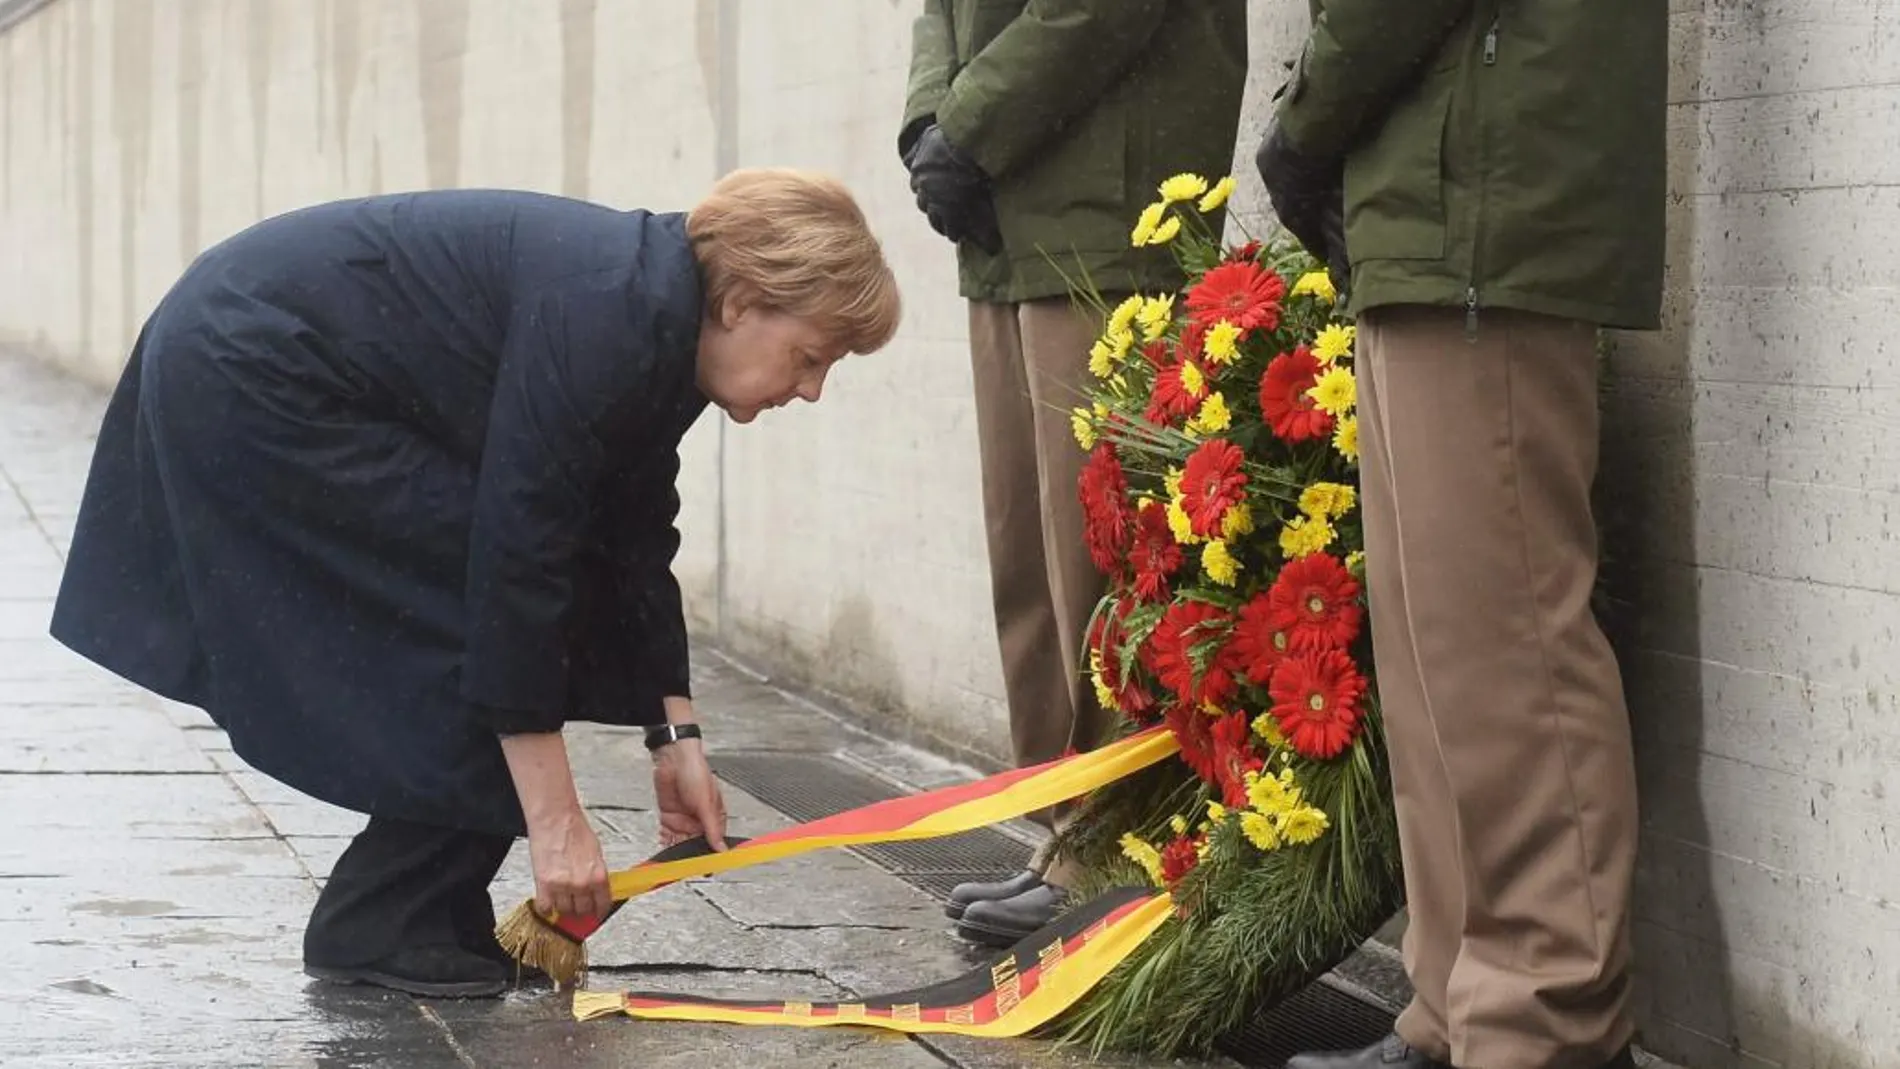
[(83, 986), (124, 907)]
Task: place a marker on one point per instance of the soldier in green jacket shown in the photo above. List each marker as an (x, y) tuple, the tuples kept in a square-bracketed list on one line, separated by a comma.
[(1034, 132), (1498, 166)]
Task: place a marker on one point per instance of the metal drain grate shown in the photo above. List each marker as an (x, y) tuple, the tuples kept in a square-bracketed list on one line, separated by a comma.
[(810, 786), (1321, 1017)]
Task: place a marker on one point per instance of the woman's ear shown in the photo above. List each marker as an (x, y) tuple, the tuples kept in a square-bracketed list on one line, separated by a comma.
[(733, 309)]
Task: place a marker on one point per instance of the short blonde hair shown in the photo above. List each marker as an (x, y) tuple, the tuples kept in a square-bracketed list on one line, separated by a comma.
[(797, 243)]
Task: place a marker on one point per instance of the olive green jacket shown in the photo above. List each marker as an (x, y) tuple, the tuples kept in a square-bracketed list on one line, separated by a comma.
[(1498, 153), (1078, 109)]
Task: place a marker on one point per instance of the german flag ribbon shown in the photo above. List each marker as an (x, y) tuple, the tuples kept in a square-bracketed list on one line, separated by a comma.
[(932, 814), (1012, 996), (1015, 994)]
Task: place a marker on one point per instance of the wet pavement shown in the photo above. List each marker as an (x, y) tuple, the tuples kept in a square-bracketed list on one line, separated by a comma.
[(153, 889)]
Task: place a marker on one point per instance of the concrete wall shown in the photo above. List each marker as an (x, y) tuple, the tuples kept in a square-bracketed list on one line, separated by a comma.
[(1754, 440)]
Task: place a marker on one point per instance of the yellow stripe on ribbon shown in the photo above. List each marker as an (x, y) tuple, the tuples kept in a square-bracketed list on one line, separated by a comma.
[(1051, 784)]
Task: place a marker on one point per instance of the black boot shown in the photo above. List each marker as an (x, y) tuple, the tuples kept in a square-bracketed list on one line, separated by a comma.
[(963, 894), (1006, 922), (1391, 1053), (1395, 1053), (444, 971), (400, 911)]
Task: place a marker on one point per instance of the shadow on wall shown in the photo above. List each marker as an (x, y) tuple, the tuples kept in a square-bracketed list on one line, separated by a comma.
[(1683, 1001)]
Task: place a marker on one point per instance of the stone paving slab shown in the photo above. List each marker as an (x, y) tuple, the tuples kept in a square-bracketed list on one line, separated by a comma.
[(153, 888)]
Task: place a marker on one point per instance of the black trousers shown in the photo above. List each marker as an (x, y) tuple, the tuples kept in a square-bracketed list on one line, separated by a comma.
[(402, 886)]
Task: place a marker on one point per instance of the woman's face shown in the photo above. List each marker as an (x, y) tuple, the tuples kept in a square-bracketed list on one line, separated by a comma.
[(751, 360)]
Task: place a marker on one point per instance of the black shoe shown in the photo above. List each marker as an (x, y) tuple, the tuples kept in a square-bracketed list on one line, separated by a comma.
[(431, 972), (1395, 1053), (963, 894), (1007, 921), (1391, 1053)]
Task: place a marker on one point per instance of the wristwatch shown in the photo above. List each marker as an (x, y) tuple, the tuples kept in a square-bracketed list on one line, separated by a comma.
[(667, 734)]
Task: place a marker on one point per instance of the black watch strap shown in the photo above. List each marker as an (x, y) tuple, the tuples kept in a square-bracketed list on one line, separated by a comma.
[(667, 734)]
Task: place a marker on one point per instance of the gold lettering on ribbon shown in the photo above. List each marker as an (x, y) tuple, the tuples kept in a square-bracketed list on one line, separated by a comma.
[(1051, 955), (798, 1009), (909, 1011), (851, 1011), (963, 1014), (1009, 985)]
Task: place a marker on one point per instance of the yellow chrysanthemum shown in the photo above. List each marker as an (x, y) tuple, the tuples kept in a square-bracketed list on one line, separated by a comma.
[(1346, 437), (1101, 359), (1328, 501), (1082, 423), (1305, 536), (1216, 812), (1169, 229), (1147, 224), (1223, 343), (1141, 853), (1172, 481), (1120, 341), (1356, 562), (1213, 416), (1304, 825), (1318, 285), (1155, 315), (1178, 823), (1122, 319), (1182, 187), (1102, 694), (1336, 392), (1332, 342), (1218, 195), (1238, 521), (1192, 380), (1268, 728), (1180, 524), (1219, 564), (1259, 830)]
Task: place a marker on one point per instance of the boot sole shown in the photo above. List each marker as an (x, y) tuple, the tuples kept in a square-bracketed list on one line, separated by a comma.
[(422, 988), (992, 937)]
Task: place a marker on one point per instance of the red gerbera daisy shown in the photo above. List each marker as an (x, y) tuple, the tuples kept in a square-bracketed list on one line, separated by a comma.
[(1156, 353), (1249, 251), (1316, 700), (1178, 859), (1171, 401), (1212, 483), (1321, 599), (1262, 638), (1243, 293), (1155, 555), (1283, 400), (1107, 635), (1193, 729), (1188, 626), (1193, 344), (1107, 521), (1234, 758)]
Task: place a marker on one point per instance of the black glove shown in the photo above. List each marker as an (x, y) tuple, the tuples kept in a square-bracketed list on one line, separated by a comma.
[(1308, 196), (952, 191)]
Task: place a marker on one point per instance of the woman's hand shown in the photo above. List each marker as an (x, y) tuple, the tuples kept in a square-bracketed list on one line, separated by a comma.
[(691, 803), (570, 875)]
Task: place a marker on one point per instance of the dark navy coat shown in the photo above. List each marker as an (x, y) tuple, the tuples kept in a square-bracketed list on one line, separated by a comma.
[(386, 477)]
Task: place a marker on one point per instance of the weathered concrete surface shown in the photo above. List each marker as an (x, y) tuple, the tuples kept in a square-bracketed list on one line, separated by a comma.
[(153, 889)]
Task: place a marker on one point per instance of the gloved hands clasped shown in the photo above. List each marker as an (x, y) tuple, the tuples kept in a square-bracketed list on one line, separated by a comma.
[(1309, 197), (952, 191)]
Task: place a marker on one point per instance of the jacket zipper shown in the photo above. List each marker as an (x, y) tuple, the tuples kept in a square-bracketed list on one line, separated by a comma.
[(1477, 240)]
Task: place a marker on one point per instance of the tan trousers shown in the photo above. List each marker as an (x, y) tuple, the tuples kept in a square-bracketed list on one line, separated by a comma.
[(1510, 742), (1030, 364)]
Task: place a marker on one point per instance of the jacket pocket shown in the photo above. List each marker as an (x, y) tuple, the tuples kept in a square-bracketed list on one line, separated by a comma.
[(1078, 184), (1395, 181)]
